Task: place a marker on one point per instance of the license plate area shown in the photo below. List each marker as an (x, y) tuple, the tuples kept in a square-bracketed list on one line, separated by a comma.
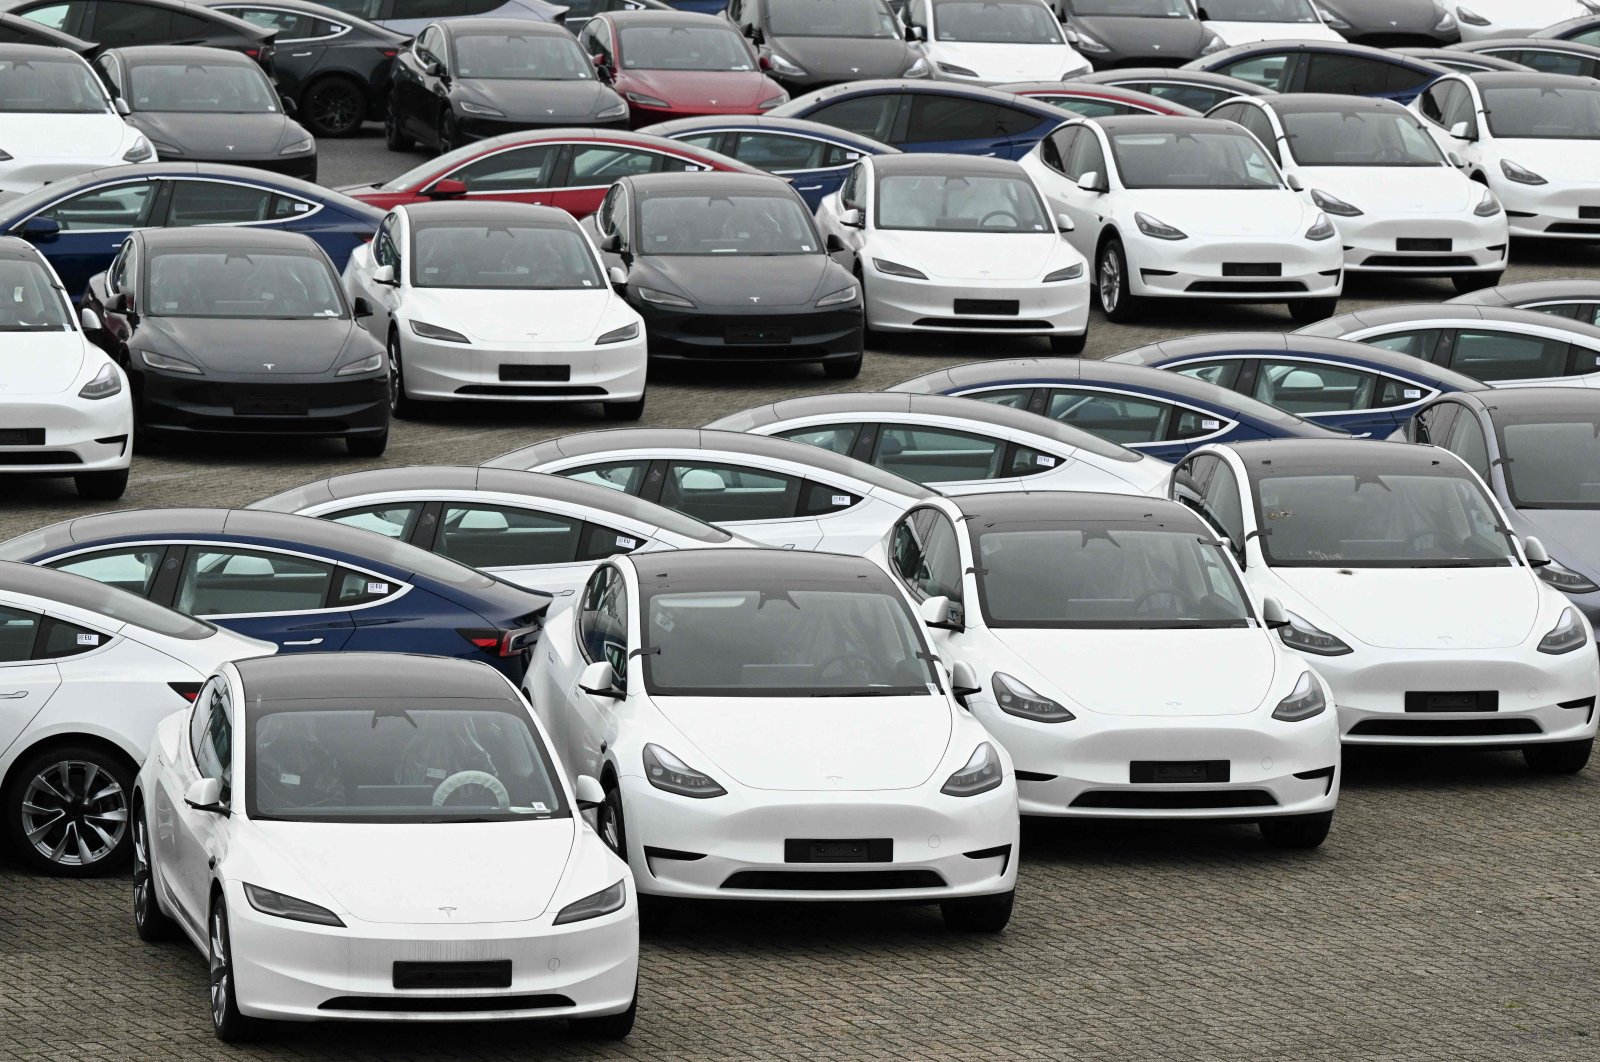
[(1453, 701), (1589, 212), (493, 973), (1418, 243), (756, 334), (1252, 269), (1171, 772), (21, 436), (270, 407), (535, 373), (861, 850), (988, 307)]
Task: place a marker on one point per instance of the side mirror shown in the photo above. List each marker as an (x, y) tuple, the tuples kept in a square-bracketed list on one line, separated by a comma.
[(434, 69), (940, 612), (118, 302), (1461, 131), (598, 680), (963, 682), (1294, 183), (618, 276), (756, 36), (1064, 223), (1456, 160), (384, 275), (120, 105), (1538, 556), (1273, 615), (1092, 182), (360, 307), (40, 229), (289, 106), (588, 792), (611, 242), (833, 244), (916, 33), (205, 794), (90, 320), (852, 217), (447, 188)]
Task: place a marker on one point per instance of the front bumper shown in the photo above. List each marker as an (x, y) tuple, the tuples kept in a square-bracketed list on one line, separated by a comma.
[(1456, 244), (726, 334), (312, 407), (66, 436), (900, 304), (733, 846), (296, 971), (527, 372), (1550, 211), (1210, 268)]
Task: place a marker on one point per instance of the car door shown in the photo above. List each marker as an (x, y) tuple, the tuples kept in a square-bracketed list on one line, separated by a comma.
[(26, 684), (90, 226), (1080, 153), (589, 169), (956, 125), (287, 598), (517, 175), (413, 85), (1270, 70), (1359, 75), (815, 167), (758, 503), (384, 299), (196, 834), (1324, 393)]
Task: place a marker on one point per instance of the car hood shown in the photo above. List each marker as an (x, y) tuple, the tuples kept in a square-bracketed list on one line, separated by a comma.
[(1226, 212), (430, 873), (1177, 38), (1396, 189), (1203, 672), (736, 280), (1233, 33), (970, 255), (511, 316), (846, 58), (1009, 62), (539, 101), (216, 135), (1387, 16), (1572, 536), (726, 89), (65, 136), (1422, 608), (815, 743), (229, 345), (1562, 160), (41, 363)]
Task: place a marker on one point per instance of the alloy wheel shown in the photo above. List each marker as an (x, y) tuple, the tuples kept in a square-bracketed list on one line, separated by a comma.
[(219, 968), (74, 813), (141, 874), (1110, 280), (335, 106)]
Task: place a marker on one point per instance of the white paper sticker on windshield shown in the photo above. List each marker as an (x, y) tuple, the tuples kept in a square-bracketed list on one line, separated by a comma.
[(289, 779), (627, 543), (841, 499), (933, 689), (1413, 392), (1211, 425), (1044, 459), (536, 806), (88, 639), (436, 772), (664, 621), (377, 588)]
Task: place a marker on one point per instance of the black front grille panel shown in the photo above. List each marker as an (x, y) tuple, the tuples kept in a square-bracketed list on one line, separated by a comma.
[(1017, 324), (1453, 701), (40, 457), (494, 973), (1178, 800), (1252, 269), (1427, 728), (535, 373), (1420, 261), (865, 850), (1247, 287), (989, 307), (21, 436), (1575, 228), (1419, 243), (445, 1005), (1589, 212), (834, 880)]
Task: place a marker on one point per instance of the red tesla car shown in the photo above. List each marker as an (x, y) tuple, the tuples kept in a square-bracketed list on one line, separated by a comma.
[(566, 168), (1096, 101), (675, 64)]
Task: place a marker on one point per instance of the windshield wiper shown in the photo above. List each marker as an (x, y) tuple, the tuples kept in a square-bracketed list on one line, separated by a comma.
[(856, 693)]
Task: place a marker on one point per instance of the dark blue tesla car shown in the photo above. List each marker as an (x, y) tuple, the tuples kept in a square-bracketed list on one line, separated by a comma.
[(918, 115), (1352, 387), (309, 585), (79, 223), (813, 157), (1163, 414)]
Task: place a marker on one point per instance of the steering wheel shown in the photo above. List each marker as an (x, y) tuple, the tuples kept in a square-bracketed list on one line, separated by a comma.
[(1177, 595), (1015, 223), (1441, 541), (470, 786), (871, 665)]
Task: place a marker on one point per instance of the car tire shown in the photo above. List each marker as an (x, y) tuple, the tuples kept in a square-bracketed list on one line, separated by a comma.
[(1111, 282), (1469, 282), (401, 407), (1296, 831), (1310, 311), (98, 785), (229, 1025), (624, 410), (609, 1026), (393, 138), (101, 486), (448, 133), (1069, 345), (334, 107), (367, 445), (1558, 757), (149, 920), (981, 914), (843, 368)]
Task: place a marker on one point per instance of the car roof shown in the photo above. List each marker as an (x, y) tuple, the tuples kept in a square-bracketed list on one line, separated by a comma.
[(1025, 506), (31, 28), (916, 85), (1549, 44), (686, 569), (324, 677), (1120, 74), (1206, 62), (1521, 401), (1431, 311), (1445, 56), (1292, 343), (804, 126), (1095, 90), (80, 591), (16, 51), (323, 11), (487, 212), (1319, 102), (140, 54), (208, 12), (232, 238), (706, 182), (664, 18), (1163, 123), (1287, 456), (921, 163), (1530, 290), (1486, 79)]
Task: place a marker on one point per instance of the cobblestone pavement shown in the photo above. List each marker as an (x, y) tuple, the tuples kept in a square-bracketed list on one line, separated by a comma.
[(1449, 916)]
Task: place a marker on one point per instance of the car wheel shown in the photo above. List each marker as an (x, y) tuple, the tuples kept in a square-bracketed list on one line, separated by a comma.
[(1296, 831), (1558, 757), (393, 138), (447, 133), (843, 368), (334, 106), (1309, 311), (1068, 344), (67, 811), (101, 486), (981, 914), (400, 406), (230, 1026), (624, 410), (149, 920), (367, 445), (609, 1026), (1466, 282), (1111, 282)]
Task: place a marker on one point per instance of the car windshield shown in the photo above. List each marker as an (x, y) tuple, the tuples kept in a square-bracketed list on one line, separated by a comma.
[(1552, 461), (1219, 160), (725, 224), (1405, 519), (1537, 113), (926, 202), (784, 641), (463, 760), (526, 257), (1358, 138), (1259, 11), (831, 18), (212, 88), (276, 285), (499, 57), (1106, 575), (995, 22), (684, 48), (30, 300), (50, 86), (1131, 9)]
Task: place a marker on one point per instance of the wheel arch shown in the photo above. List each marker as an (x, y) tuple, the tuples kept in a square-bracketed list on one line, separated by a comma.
[(65, 739)]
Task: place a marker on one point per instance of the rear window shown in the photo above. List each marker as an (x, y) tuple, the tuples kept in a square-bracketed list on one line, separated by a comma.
[(107, 601)]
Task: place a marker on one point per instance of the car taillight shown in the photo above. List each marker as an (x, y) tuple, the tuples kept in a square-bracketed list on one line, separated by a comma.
[(187, 690), (254, 53), (389, 53), (496, 642)]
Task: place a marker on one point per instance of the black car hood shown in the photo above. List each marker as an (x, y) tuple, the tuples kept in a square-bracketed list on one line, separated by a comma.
[(219, 136), (553, 102), (1180, 38), (234, 346), (846, 58), (729, 281), (1387, 16)]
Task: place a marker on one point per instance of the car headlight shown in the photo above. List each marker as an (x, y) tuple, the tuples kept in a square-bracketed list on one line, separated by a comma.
[(299, 147), (1333, 21), (1303, 702), (643, 100), (468, 107), (1321, 229), (607, 900), (1072, 272), (106, 383), (1015, 698), (152, 360), (1568, 634), (784, 65), (895, 269), (665, 771), (956, 71), (5, 156), (1159, 229), (280, 906), (662, 298), (1447, 21), (1215, 44), (1520, 174), (140, 152), (839, 298), (372, 363), (920, 68), (1309, 638), (442, 335), (616, 110), (767, 105), (1333, 204), (619, 335), (1559, 576), (980, 774), (1488, 206), (1471, 17), (1090, 44)]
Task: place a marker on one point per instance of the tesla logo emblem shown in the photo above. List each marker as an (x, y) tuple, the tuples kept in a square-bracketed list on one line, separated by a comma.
[(268, 365), (1445, 638), (1157, 47), (983, 272), (713, 103), (1174, 705), (230, 147), (449, 912), (835, 779), (532, 334), (755, 298), (549, 110), (855, 70)]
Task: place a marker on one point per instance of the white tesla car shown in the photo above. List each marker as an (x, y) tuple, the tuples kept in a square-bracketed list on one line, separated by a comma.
[(65, 408), (770, 491), (86, 672), (1050, 598), (1248, 21), (1404, 588), (1483, 19), (542, 532), (954, 445), (1193, 208), (772, 725), (954, 243), (1400, 206), (58, 120), (1533, 139), (992, 42), (497, 302), (401, 846)]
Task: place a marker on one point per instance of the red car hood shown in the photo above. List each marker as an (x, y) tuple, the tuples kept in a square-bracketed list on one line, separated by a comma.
[(722, 90)]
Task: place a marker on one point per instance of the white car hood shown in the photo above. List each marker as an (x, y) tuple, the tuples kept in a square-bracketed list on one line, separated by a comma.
[(1010, 62), (511, 316), (1527, 15), (1420, 190), (1224, 212), (969, 255), (1202, 672), (407, 873), (814, 743), (1423, 608), (1250, 32), (1561, 160), (96, 137), (42, 363)]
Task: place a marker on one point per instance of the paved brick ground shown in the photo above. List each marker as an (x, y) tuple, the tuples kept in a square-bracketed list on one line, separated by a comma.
[(1449, 916)]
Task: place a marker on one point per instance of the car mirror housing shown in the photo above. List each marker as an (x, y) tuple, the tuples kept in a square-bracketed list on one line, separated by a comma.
[(205, 794), (1064, 223), (1462, 131), (118, 302), (599, 680), (852, 218), (1538, 556), (1294, 183), (618, 276), (1273, 615), (384, 275), (941, 613), (121, 106), (963, 682), (1456, 160), (833, 244), (588, 792), (90, 320), (40, 229), (1092, 182), (611, 242), (447, 188), (360, 307)]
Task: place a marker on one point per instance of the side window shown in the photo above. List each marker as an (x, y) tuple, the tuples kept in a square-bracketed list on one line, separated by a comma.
[(510, 171), (1458, 107), (950, 118), (1120, 418), (429, 47), (850, 191), (1395, 392), (218, 203), (1087, 156), (598, 542), (211, 736), (1307, 387), (117, 207), (56, 16), (820, 499), (839, 438), (289, 24), (384, 251), (1352, 75), (1224, 505), (1026, 461), (1090, 108), (777, 153), (117, 275), (231, 582), (1221, 373), (1549, 62), (133, 570), (1189, 423), (1268, 71), (127, 23), (1255, 120), (871, 116), (1012, 397), (937, 455), (1233, 112), (1191, 478), (1467, 442), (487, 536), (605, 217), (18, 631), (1055, 149), (603, 621), (391, 519), (926, 555), (187, 29), (1492, 356), (708, 141), (718, 493), (1432, 102), (1585, 360), (1433, 423), (597, 165), (1419, 344), (58, 638), (1202, 98), (626, 476), (359, 588)]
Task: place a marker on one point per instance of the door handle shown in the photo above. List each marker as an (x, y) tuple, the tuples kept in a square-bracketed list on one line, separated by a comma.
[(810, 188), (306, 641), (990, 154), (17, 696), (298, 55)]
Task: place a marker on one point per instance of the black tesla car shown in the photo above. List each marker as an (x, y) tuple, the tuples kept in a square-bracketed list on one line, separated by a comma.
[(15, 29), (729, 267), (811, 44), (120, 23), (207, 105), (239, 332), (468, 79)]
